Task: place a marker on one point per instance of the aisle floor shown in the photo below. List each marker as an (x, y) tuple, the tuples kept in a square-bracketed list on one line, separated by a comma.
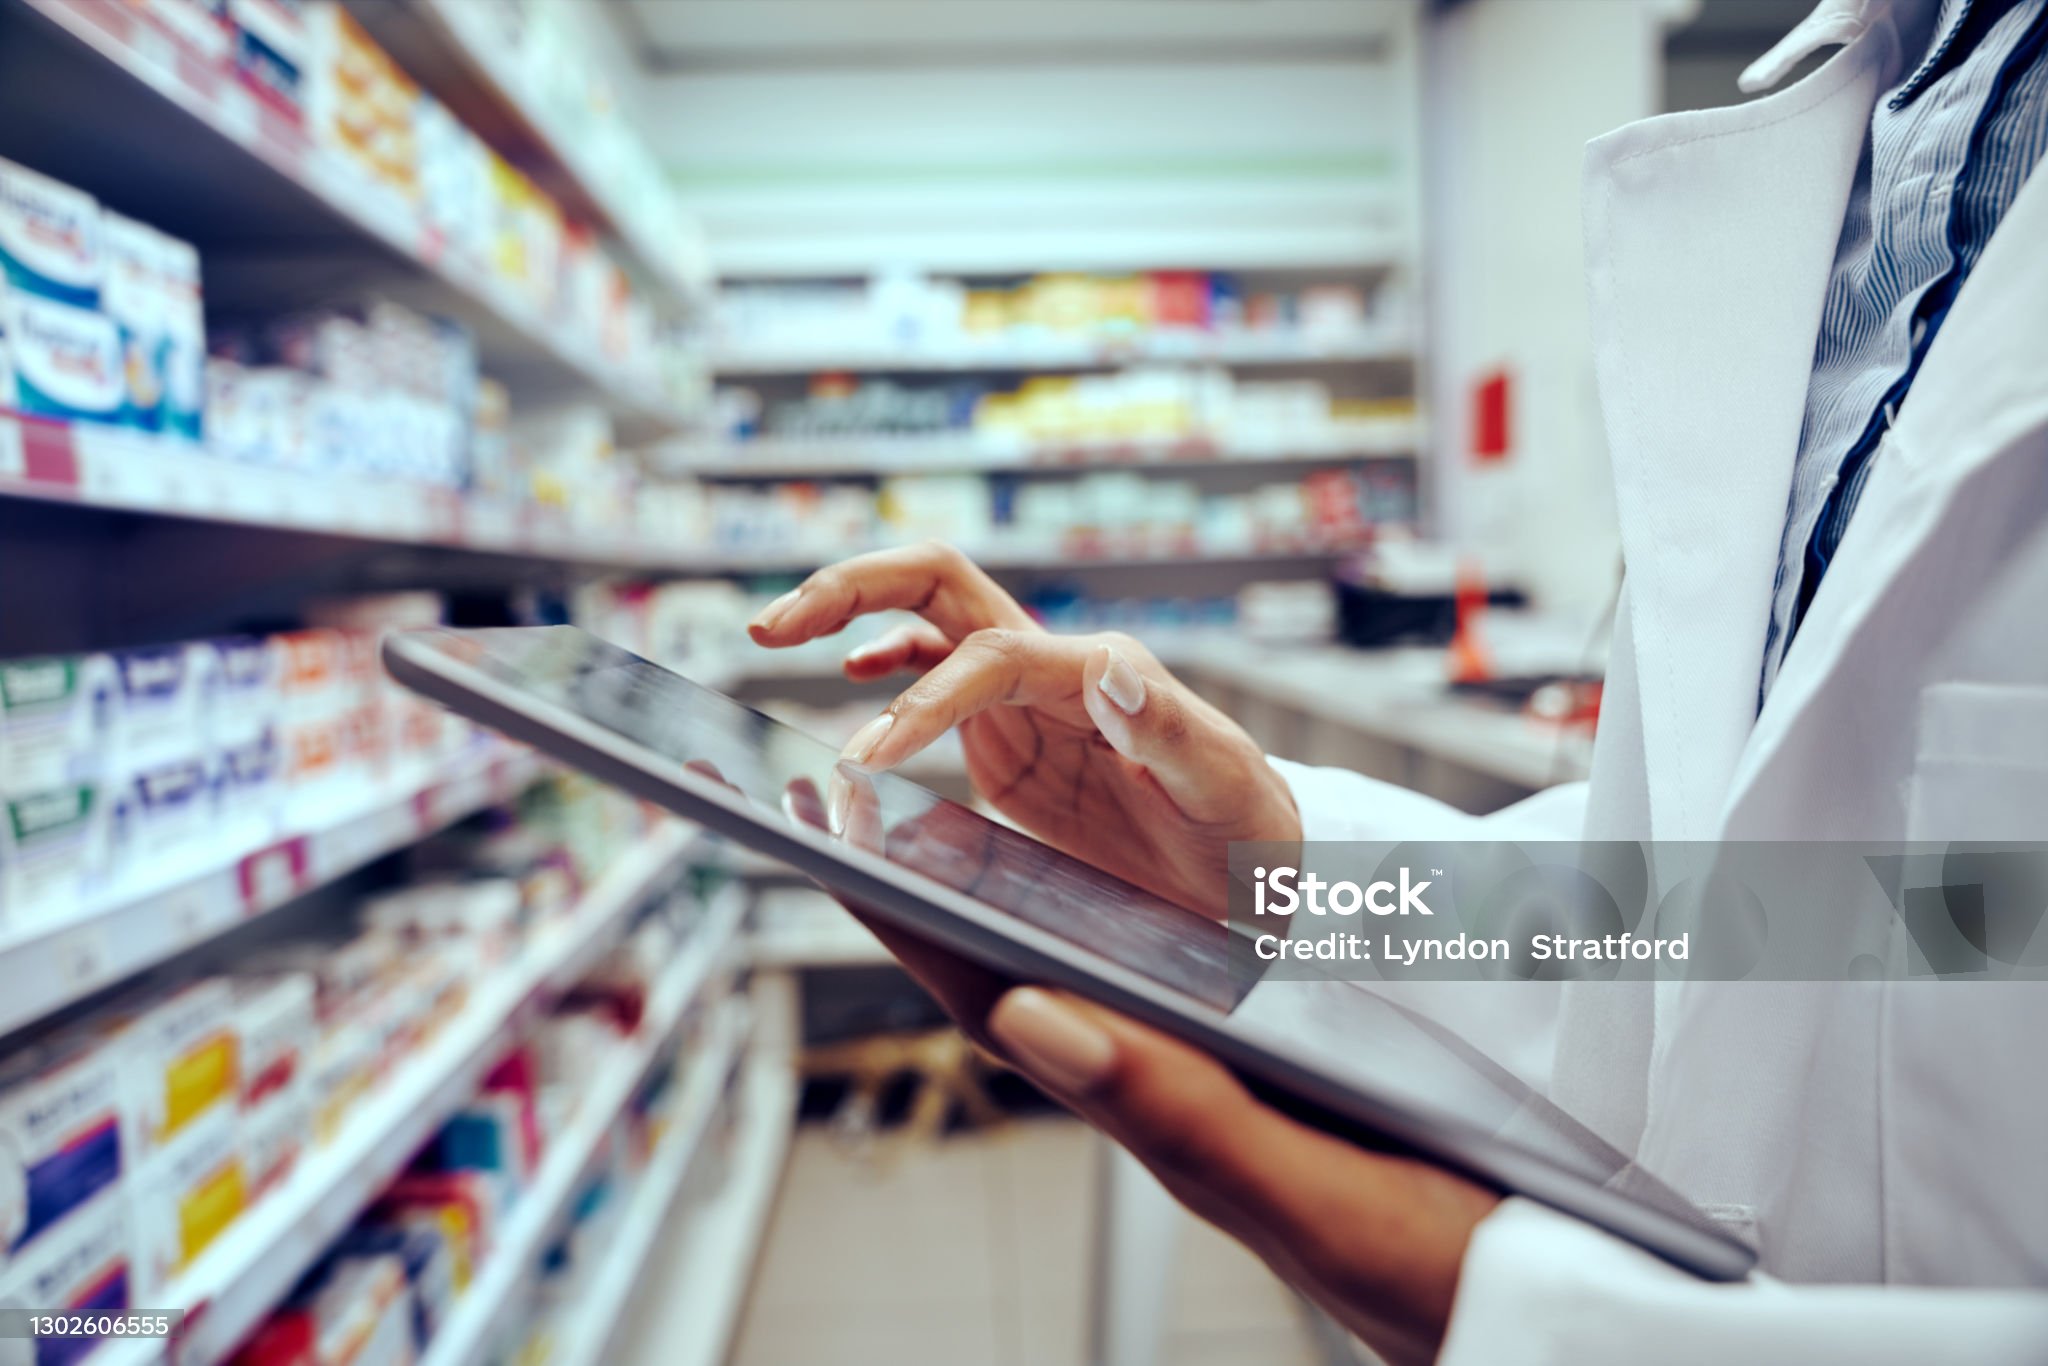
[(974, 1252)]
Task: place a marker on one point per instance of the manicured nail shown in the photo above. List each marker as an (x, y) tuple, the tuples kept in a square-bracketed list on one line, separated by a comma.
[(1052, 1040), (1121, 684), (866, 739), (765, 619), (838, 803)]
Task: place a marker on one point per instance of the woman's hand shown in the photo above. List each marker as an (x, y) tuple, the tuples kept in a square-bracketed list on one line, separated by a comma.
[(1087, 742)]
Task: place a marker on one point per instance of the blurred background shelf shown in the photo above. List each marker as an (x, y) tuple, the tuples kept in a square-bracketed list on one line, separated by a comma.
[(1249, 349), (222, 164)]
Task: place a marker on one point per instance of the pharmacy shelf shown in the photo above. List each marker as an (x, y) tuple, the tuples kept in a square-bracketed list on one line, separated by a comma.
[(470, 1332), (965, 355), (800, 927), (249, 1270), (450, 47), (846, 457), (114, 469), (517, 342), (45, 967), (585, 1339), (709, 1273)]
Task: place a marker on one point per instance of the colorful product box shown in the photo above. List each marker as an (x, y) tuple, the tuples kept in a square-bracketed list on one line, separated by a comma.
[(163, 696), (49, 239), (56, 714), (363, 1313), (184, 1196), (184, 321), (60, 1141), (270, 49), (277, 1023), (53, 847), (160, 812), (200, 25), (65, 361), (133, 298), (81, 1267), (181, 1052), (246, 678), (248, 778)]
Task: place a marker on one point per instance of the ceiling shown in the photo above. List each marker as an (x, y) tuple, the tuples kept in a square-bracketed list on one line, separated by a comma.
[(740, 35)]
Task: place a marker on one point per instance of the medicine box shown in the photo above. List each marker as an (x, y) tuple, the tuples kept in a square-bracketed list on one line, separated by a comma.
[(53, 852), (55, 715), (65, 361), (183, 1196), (133, 298), (60, 1141), (49, 239), (162, 697), (82, 1267), (180, 1055)]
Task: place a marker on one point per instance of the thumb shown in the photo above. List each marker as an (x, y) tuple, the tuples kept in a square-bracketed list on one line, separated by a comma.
[(1152, 722)]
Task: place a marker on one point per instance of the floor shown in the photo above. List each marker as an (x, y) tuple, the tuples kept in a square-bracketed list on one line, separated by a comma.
[(973, 1252)]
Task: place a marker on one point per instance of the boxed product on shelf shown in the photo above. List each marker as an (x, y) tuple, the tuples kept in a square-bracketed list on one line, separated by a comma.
[(200, 25), (60, 1140), (245, 673), (50, 242), (428, 1262), (271, 48), (64, 361), (455, 183), (163, 698), (83, 1267), (56, 714), (183, 1196), (52, 851), (359, 105), (133, 298), (278, 1028), (180, 1051), (158, 810)]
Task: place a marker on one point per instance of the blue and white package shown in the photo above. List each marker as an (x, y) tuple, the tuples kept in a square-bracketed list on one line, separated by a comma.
[(49, 238), (184, 318), (162, 699), (81, 1268), (133, 296), (60, 1141), (66, 360)]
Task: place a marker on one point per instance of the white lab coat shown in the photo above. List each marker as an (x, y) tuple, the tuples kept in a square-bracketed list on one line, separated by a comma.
[(1882, 1145)]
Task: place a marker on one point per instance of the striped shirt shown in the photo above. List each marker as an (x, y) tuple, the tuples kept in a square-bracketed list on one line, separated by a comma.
[(1948, 150)]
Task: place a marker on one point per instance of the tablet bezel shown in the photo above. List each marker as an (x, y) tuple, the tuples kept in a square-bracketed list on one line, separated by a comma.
[(1019, 950)]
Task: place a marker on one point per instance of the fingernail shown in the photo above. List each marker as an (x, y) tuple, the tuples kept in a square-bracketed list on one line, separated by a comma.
[(1121, 684), (765, 618), (1052, 1040), (866, 739), (838, 803), (873, 647)]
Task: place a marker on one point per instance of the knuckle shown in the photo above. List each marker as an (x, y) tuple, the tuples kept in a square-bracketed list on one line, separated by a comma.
[(998, 644), (945, 556)]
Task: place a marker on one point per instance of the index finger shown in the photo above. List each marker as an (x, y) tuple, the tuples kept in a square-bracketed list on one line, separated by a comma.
[(934, 580)]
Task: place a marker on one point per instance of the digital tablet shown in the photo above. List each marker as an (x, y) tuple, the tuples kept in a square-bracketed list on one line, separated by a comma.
[(1368, 1070)]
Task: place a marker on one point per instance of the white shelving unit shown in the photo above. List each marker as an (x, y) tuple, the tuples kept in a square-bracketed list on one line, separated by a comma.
[(948, 453), (512, 1262), (511, 334), (236, 1282), (45, 967), (959, 355)]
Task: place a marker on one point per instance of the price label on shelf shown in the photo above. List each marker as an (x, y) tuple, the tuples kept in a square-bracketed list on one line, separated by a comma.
[(274, 875)]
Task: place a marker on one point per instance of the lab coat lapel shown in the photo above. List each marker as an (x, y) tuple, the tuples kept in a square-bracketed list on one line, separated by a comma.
[(1982, 388), (1709, 238)]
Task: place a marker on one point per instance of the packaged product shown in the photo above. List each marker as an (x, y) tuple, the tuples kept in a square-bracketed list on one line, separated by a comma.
[(65, 360), (429, 1267), (180, 1052), (276, 1021), (270, 48), (246, 697), (49, 239), (362, 1312), (161, 811), (248, 779), (60, 1140), (56, 714), (359, 106), (184, 321), (133, 297), (183, 1196), (313, 705), (344, 1069), (53, 851), (163, 696), (82, 1267)]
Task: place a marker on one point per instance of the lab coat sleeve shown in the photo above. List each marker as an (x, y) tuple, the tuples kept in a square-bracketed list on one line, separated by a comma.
[(1337, 804), (1541, 1289)]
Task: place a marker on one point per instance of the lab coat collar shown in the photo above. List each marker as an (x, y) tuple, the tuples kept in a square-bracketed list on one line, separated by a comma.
[(1709, 241), (1832, 21)]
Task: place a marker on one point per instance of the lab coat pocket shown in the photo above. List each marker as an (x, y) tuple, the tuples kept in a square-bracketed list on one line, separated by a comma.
[(1981, 764)]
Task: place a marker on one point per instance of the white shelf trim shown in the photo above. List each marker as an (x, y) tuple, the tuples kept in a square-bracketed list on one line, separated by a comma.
[(45, 967)]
